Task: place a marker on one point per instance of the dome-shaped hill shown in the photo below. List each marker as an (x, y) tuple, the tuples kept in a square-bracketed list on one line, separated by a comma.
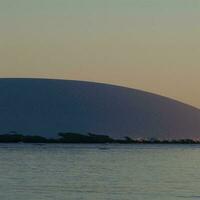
[(46, 107)]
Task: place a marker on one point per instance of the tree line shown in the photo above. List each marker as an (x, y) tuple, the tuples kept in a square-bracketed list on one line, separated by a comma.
[(70, 137)]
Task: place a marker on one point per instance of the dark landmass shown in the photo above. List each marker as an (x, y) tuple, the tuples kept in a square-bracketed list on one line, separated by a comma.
[(46, 107), (89, 138)]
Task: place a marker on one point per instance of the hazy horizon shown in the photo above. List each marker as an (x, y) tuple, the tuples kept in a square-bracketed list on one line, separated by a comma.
[(151, 45)]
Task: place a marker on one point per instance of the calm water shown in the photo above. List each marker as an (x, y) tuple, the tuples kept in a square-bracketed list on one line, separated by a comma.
[(99, 172)]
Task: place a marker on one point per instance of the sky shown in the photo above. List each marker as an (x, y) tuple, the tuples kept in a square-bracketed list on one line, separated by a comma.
[(152, 45)]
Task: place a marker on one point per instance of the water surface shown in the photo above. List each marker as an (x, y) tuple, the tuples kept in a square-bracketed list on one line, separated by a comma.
[(99, 172)]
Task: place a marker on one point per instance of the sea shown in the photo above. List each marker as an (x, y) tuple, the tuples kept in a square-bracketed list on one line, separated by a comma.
[(99, 171)]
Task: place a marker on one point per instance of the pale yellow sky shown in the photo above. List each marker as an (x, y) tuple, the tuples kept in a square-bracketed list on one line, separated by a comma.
[(152, 45)]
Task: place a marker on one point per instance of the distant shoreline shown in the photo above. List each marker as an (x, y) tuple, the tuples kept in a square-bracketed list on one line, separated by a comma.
[(89, 138)]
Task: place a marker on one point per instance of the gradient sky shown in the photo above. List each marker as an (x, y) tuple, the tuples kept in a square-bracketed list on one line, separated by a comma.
[(153, 45)]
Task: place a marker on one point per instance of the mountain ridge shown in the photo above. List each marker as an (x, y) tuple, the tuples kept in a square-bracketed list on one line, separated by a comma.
[(103, 83), (48, 106)]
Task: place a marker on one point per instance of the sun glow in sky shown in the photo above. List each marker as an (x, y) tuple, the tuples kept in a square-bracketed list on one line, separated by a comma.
[(153, 45)]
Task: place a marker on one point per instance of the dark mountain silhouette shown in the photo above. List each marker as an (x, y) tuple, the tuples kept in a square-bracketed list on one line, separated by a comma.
[(45, 107)]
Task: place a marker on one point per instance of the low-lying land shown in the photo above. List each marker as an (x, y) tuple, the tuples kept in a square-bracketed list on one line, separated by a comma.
[(86, 138)]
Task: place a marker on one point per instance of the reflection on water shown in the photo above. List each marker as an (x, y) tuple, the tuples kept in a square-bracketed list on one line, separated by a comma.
[(99, 172)]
